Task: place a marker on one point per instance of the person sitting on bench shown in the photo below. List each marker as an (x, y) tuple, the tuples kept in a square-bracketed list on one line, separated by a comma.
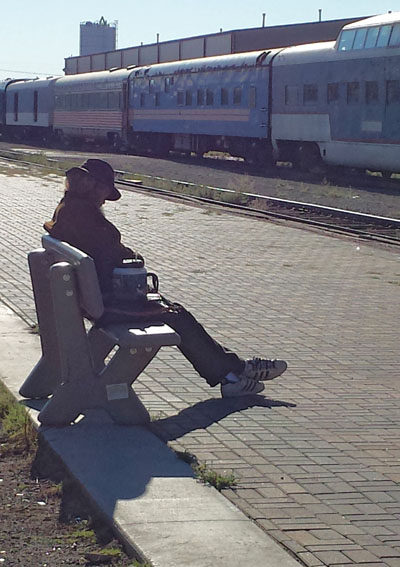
[(79, 221)]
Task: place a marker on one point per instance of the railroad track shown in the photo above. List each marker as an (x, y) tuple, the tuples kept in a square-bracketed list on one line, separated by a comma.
[(364, 226), (369, 227)]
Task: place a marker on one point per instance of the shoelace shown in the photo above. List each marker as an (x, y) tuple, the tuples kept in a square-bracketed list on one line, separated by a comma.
[(260, 368)]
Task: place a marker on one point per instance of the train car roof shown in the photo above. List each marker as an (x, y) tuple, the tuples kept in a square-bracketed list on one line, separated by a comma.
[(117, 75), (383, 19), (217, 63), (5, 82), (29, 83), (309, 53)]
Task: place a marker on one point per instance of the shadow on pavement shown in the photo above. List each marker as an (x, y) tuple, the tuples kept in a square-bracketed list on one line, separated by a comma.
[(205, 413)]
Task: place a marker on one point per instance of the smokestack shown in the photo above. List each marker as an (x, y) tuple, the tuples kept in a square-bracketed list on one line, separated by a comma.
[(320, 14), (158, 38), (263, 20)]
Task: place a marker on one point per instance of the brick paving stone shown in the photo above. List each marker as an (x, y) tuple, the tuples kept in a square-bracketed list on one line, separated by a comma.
[(329, 535), (357, 534), (333, 557), (320, 451), (383, 551), (310, 560), (361, 556), (364, 564)]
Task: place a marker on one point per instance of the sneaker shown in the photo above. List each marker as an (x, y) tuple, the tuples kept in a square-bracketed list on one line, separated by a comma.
[(244, 387), (263, 369)]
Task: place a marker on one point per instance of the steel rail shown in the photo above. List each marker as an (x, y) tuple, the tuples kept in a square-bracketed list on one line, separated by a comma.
[(299, 211), (351, 216)]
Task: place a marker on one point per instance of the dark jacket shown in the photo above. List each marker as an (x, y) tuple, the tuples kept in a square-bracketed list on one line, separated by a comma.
[(80, 223)]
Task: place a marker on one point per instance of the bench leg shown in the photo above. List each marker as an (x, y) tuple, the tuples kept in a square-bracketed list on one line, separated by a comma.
[(105, 391), (73, 399), (100, 346), (42, 380), (46, 375)]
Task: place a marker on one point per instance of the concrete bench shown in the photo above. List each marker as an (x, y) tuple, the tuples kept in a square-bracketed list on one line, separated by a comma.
[(83, 366)]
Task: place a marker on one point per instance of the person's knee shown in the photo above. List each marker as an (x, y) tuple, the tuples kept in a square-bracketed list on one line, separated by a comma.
[(179, 317)]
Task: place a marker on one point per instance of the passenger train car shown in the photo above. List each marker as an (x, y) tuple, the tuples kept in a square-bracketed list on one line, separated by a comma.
[(340, 102), (334, 102), (215, 103), (28, 108), (92, 107)]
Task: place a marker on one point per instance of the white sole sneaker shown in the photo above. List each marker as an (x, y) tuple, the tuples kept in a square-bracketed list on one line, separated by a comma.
[(244, 387)]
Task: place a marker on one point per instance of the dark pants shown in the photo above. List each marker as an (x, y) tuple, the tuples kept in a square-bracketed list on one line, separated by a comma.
[(211, 360)]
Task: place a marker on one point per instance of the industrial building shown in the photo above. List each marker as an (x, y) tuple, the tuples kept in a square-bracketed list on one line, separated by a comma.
[(236, 41)]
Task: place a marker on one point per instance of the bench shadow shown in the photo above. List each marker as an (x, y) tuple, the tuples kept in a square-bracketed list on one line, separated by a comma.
[(205, 413), (115, 463), (32, 403)]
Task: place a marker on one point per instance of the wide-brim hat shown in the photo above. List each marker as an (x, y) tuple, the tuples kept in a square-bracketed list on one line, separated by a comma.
[(103, 172)]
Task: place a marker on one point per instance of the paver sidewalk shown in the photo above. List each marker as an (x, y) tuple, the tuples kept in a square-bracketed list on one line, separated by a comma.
[(317, 457)]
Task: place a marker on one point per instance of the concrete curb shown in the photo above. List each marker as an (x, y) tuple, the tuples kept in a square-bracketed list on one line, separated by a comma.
[(150, 497)]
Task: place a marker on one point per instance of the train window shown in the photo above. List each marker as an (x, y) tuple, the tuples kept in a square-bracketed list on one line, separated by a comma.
[(81, 101), (360, 38), (102, 101), (209, 97), (180, 98), (74, 101), (188, 98), (224, 96), (91, 98), (384, 34), (59, 102), (237, 95), (291, 95), (395, 37), (372, 36), (310, 94), (151, 86), (371, 92), (252, 97), (157, 99), (200, 97), (167, 84), (113, 101), (353, 92), (35, 106), (346, 40), (142, 99), (16, 107), (392, 91), (332, 92)]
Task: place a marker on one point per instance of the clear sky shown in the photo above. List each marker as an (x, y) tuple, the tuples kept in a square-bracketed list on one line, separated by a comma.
[(36, 36)]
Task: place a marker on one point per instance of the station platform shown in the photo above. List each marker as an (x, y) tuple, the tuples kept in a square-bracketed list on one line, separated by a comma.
[(317, 454)]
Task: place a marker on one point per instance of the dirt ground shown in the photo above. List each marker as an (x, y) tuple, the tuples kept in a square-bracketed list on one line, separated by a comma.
[(47, 522)]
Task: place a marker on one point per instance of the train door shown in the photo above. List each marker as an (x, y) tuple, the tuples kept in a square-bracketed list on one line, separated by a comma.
[(372, 101), (125, 111), (391, 100)]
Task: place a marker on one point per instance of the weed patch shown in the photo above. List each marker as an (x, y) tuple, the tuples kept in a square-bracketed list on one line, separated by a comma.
[(214, 478), (16, 425), (193, 189)]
